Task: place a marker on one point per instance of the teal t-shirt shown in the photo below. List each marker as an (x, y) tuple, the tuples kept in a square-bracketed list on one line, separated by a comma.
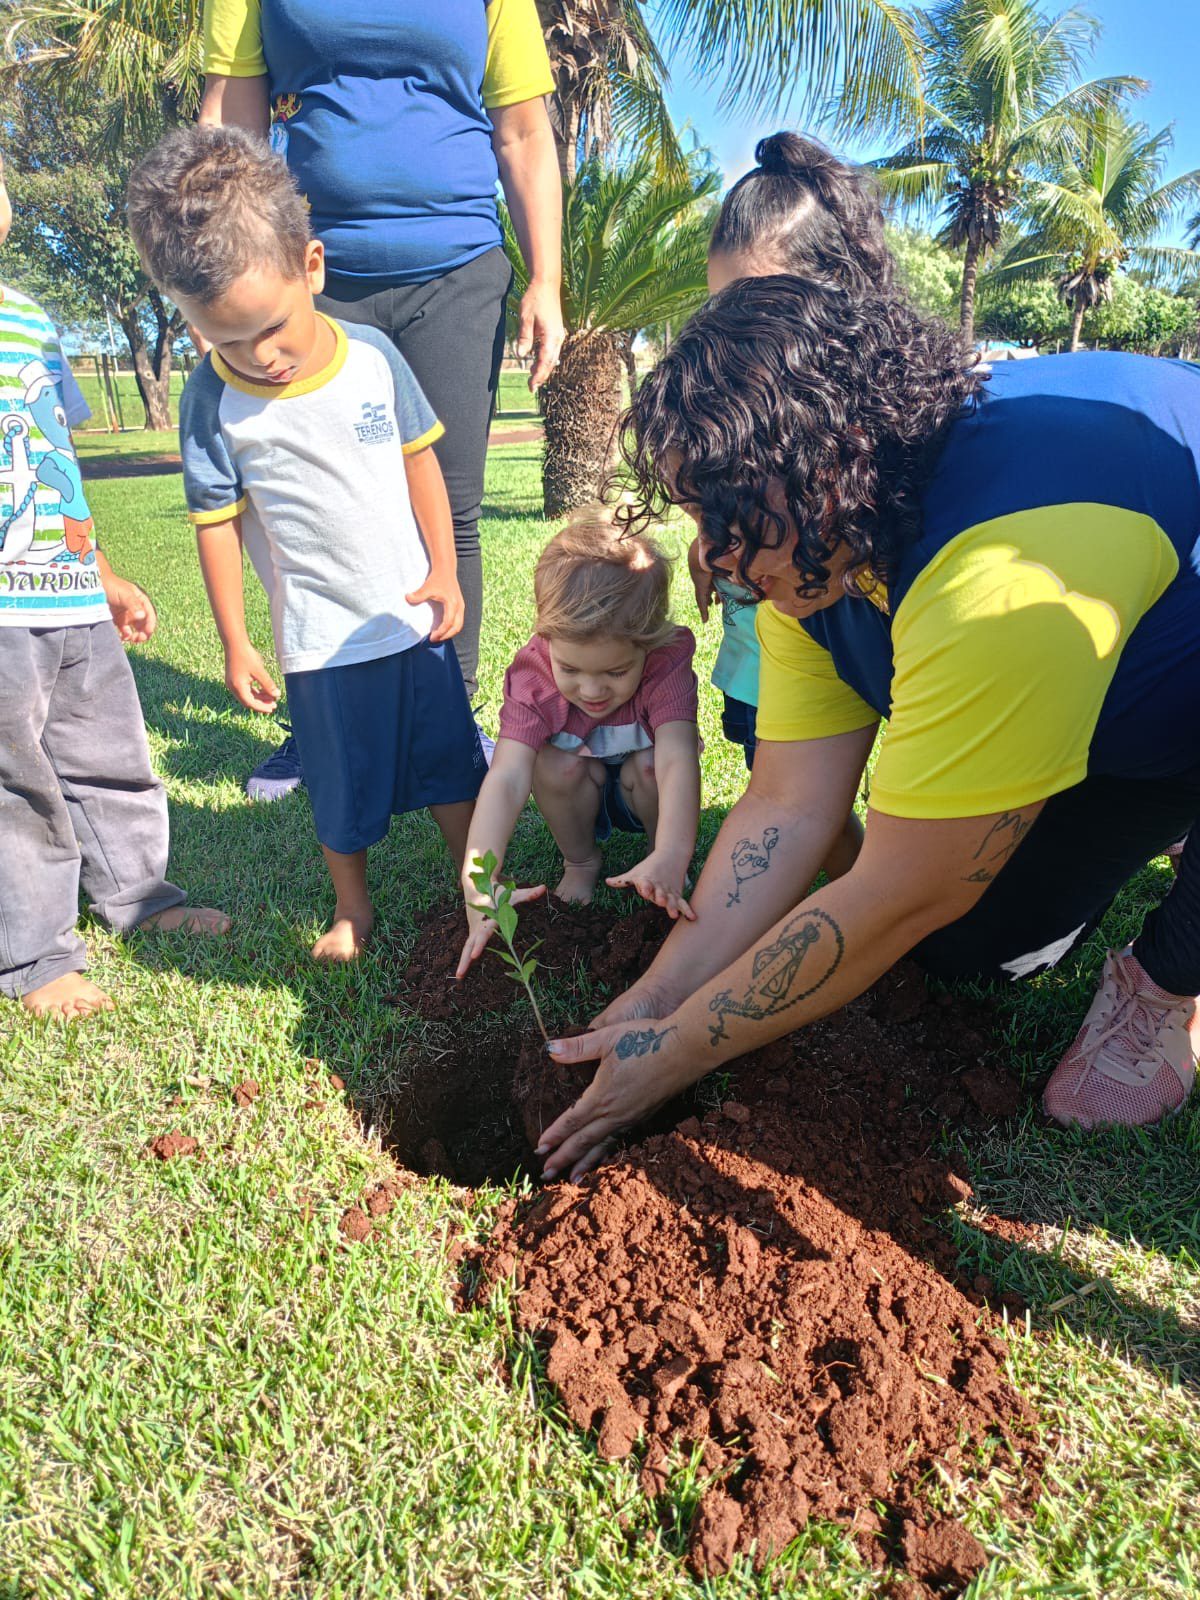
[(736, 670)]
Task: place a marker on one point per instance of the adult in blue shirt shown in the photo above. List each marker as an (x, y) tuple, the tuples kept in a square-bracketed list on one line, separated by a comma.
[(398, 118)]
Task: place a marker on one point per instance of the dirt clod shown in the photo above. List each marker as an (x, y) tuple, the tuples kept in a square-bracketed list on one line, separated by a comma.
[(246, 1093), (354, 1224), (169, 1146)]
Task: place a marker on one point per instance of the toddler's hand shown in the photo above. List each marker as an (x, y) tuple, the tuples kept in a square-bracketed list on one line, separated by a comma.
[(702, 578), (248, 680), (480, 926), (441, 588), (659, 879), (132, 610)]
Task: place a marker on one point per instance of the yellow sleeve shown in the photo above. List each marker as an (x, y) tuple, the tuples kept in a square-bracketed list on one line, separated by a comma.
[(518, 67), (232, 38), (800, 695), (1004, 649)]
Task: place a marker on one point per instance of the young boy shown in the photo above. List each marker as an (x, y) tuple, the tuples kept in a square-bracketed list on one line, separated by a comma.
[(79, 803), (308, 439)]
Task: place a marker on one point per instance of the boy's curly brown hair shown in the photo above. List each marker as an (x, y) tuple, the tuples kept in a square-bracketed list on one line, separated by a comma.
[(207, 204)]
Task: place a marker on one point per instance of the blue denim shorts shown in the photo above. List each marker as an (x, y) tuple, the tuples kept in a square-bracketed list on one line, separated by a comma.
[(614, 808)]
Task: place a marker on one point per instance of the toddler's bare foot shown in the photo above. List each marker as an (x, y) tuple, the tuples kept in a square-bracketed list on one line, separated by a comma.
[(346, 937), (70, 997), (578, 882), (188, 919)]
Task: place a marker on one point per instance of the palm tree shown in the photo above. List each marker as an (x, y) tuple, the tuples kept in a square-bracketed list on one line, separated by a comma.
[(607, 59), (141, 58), (635, 251), (610, 74), (1000, 102), (1102, 211)]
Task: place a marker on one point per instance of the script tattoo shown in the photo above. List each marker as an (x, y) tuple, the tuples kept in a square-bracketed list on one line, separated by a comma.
[(999, 842), (644, 1042), (750, 859), (812, 940)]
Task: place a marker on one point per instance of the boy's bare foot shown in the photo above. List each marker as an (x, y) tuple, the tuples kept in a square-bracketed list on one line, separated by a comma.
[(578, 882), (69, 998), (188, 919), (346, 937)]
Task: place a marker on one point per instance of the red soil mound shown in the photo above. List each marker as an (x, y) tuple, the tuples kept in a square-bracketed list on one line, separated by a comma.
[(763, 1281)]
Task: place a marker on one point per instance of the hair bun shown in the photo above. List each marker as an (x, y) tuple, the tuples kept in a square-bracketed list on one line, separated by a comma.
[(791, 155)]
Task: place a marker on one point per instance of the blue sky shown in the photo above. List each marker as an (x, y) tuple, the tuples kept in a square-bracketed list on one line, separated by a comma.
[(1154, 39)]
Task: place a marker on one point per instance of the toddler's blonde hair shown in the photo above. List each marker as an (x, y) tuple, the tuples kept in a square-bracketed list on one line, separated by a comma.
[(594, 581)]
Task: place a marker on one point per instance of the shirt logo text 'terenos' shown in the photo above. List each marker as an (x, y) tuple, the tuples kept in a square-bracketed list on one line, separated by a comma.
[(375, 426)]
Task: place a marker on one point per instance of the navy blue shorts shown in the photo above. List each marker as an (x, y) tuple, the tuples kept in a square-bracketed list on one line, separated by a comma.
[(614, 809), (379, 738), (738, 724)]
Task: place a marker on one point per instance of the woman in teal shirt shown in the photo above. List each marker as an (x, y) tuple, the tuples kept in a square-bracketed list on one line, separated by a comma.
[(398, 118)]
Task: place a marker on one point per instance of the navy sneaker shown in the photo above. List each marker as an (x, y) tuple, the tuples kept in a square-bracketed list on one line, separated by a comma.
[(278, 775)]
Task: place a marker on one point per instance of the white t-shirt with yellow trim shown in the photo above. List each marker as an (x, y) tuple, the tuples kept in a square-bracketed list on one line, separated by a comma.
[(315, 469)]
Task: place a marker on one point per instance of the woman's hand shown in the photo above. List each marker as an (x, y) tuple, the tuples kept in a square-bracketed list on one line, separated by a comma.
[(702, 578), (641, 1068), (541, 329), (248, 680), (441, 589), (648, 997), (480, 926), (659, 879)]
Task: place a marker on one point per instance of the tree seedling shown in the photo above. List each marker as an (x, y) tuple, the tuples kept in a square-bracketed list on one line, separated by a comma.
[(496, 898)]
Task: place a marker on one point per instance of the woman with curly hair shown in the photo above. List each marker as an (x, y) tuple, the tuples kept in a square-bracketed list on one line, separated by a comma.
[(1007, 570)]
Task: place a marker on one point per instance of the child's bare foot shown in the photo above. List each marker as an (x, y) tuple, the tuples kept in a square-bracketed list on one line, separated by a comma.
[(188, 919), (68, 998), (578, 882), (346, 937)]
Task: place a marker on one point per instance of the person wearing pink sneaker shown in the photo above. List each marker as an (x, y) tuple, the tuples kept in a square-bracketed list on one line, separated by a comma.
[(1004, 568), (1134, 1059)]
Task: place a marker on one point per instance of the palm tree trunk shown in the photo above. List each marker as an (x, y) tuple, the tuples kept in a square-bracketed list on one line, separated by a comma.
[(631, 377), (567, 141), (966, 310), (1077, 311), (581, 401)]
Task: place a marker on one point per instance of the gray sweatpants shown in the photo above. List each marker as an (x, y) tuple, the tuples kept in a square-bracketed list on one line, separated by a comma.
[(79, 804)]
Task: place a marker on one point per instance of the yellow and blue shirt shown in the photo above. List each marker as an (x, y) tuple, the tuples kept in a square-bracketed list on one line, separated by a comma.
[(381, 109), (1046, 623)]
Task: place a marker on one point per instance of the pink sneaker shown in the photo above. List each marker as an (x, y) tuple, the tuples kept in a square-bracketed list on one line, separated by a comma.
[(1133, 1061)]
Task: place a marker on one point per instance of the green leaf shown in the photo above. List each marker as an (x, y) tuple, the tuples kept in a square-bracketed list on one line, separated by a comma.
[(506, 920)]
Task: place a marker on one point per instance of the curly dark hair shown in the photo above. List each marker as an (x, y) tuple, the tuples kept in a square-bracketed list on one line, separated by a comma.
[(787, 403), (808, 213)]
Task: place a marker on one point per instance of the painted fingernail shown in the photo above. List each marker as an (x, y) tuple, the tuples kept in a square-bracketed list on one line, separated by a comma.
[(554, 1048), (541, 1150)]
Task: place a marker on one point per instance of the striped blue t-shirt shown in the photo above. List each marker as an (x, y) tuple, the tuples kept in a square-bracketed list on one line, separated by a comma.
[(48, 573)]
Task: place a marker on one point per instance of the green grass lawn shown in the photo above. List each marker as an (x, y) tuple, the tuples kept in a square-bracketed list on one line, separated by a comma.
[(205, 1393)]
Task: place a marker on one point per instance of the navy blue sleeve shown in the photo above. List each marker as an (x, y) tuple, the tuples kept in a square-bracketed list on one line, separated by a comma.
[(211, 484)]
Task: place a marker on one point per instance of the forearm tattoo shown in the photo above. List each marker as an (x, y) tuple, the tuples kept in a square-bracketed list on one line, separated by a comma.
[(812, 941), (641, 1042), (750, 859), (999, 842)]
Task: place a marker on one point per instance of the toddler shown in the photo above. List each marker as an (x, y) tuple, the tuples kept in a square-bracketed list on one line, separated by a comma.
[(80, 805), (308, 440), (599, 723)]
